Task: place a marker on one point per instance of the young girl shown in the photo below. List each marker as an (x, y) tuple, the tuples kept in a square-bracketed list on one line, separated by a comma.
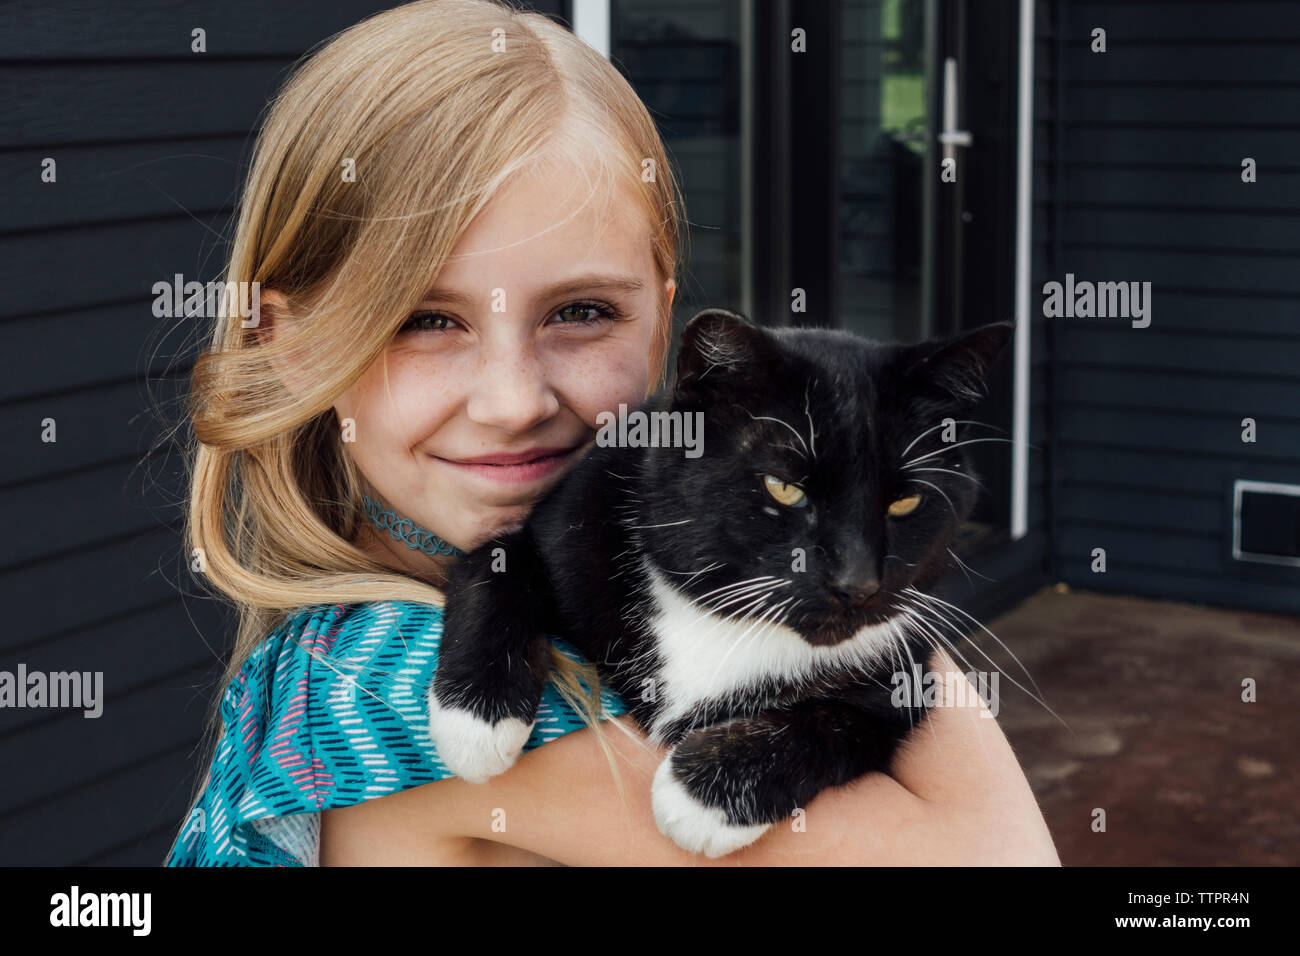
[(465, 231)]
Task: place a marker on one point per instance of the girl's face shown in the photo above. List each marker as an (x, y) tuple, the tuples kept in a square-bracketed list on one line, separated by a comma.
[(542, 318)]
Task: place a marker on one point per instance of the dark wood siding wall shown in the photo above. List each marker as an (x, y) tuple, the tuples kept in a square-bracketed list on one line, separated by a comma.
[(1147, 421), (150, 142)]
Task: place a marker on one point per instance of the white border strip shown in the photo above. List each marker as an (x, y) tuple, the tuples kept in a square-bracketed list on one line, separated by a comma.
[(591, 23), (1024, 262)]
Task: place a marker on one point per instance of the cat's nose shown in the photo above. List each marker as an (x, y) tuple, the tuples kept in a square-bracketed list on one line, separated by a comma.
[(854, 592)]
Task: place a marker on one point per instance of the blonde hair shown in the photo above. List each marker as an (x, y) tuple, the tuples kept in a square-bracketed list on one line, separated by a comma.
[(435, 120)]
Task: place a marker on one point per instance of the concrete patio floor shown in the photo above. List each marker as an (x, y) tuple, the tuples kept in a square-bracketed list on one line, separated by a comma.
[(1187, 773)]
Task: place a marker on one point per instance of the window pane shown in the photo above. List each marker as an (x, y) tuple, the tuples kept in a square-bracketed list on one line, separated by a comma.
[(683, 59), (883, 221)]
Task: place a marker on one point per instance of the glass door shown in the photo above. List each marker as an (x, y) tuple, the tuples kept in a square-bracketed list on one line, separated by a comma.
[(811, 140)]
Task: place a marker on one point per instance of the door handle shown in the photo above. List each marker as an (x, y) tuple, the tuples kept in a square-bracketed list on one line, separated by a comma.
[(950, 136)]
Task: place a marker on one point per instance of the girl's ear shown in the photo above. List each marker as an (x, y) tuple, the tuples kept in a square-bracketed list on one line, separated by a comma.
[(671, 287), (273, 322)]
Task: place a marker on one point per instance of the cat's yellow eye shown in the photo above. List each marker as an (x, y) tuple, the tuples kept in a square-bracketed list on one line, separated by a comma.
[(791, 496), (904, 506)]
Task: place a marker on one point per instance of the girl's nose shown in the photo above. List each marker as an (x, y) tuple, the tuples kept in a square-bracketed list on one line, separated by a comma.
[(512, 394)]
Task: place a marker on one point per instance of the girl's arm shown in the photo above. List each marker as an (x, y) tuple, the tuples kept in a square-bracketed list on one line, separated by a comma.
[(957, 797)]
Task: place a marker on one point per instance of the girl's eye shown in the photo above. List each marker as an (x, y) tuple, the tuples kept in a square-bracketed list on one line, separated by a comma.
[(904, 506), (586, 313), (426, 322), (578, 313), (792, 496)]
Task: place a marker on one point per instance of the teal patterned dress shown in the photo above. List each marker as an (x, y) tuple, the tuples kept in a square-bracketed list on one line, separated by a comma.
[(328, 711)]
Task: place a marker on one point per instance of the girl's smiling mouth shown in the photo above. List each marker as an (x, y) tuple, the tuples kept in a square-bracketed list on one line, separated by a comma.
[(517, 468)]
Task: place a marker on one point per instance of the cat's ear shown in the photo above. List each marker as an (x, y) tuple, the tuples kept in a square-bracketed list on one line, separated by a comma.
[(956, 370), (716, 345)]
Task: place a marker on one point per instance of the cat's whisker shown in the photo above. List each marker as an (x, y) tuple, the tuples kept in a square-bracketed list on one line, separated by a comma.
[(727, 596), (954, 607), (968, 569), (695, 574), (950, 471), (901, 639), (793, 431), (908, 618), (667, 524), (894, 649), (922, 481), (812, 429), (761, 577), (954, 445), (916, 615), (918, 438), (897, 558), (762, 593), (969, 579), (960, 421), (938, 612), (742, 613)]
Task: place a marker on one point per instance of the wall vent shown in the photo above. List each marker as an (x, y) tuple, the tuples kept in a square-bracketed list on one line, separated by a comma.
[(1266, 522)]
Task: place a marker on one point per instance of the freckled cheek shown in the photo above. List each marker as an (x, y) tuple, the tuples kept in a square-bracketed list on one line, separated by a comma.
[(400, 410), (602, 378)]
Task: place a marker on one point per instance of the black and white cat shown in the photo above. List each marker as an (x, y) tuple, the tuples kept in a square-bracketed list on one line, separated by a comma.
[(748, 604)]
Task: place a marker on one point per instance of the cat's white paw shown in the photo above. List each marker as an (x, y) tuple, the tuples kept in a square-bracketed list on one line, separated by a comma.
[(692, 825), (472, 748)]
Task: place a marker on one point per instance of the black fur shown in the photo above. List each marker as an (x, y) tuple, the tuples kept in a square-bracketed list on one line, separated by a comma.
[(575, 569)]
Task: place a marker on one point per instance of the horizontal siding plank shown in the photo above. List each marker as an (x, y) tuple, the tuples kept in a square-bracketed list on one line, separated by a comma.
[(92, 427), (1115, 343), (109, 182), (1178, 21), (95, 346), (34, 763), (75, 28), (1152, 510), (63, 104), (113, 263), (1273, 193), (88, 585), (1212, 105), (1172, 228), (1249, 273), (1177, 392), (100, 504), (1140, 428), (164, 640), (91, 819), (1147, 143), (1228, 314), (1132, 61), (1172, 472)]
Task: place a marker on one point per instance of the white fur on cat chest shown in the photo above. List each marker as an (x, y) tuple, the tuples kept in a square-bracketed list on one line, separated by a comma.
[(709, 658)]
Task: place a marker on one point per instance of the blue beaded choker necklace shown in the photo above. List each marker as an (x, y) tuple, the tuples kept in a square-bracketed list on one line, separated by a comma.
[(407, 531)]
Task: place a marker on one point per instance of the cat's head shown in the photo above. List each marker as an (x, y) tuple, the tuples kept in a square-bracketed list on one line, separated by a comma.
[(831, 475)]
